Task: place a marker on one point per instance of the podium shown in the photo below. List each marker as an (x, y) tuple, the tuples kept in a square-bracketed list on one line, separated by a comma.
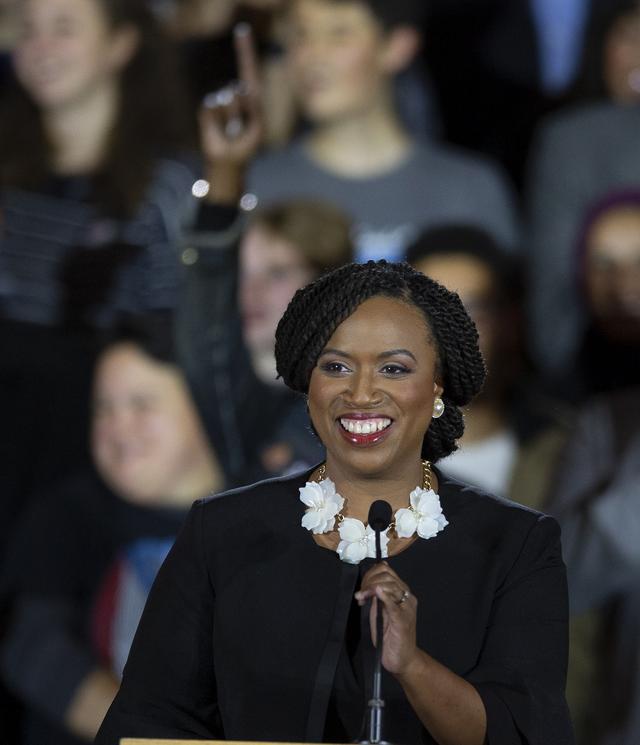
[(153, 741)]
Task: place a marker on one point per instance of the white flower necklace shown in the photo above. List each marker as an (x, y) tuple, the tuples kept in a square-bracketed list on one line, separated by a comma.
[(424, 516)]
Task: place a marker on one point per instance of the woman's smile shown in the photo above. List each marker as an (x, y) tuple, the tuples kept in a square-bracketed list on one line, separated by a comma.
[(363, 429)]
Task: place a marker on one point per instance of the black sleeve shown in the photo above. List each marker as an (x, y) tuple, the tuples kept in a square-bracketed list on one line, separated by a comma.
[(168, 687), (52, 561), (238, 409), (522, 669), (44, 659)]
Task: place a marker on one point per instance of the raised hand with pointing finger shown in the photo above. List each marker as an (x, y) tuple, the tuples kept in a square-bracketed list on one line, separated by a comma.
[(231, 124)]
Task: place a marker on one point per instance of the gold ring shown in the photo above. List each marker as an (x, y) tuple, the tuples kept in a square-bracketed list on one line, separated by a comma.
[(404, 597)]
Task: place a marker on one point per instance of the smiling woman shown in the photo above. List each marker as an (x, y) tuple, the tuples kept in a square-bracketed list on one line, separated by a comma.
[(374, 387), (256, 630)]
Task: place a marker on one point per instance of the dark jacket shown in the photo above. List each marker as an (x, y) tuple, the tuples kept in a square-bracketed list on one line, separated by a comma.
[(244, 633)]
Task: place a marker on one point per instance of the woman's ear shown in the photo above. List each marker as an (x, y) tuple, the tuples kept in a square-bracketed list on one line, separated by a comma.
[(438, 390), (403, 43)]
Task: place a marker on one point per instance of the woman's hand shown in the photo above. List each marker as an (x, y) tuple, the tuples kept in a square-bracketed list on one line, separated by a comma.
[(399, 609), (449, 707), (231, 124)]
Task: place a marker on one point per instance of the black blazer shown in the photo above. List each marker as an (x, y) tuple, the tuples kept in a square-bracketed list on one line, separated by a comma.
[(241, 630)]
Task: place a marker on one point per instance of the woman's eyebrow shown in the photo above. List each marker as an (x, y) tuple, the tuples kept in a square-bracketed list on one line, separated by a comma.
[(394, 352), (333, 350), (382, 356)]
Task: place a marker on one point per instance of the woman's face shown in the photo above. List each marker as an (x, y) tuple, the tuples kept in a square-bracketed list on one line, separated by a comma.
[(622, 59), (336, 58), (147, 439), (612, 273), (372, 390), (271, 270), (67, 51)]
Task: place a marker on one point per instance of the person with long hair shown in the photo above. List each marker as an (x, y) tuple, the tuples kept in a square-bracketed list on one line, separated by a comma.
[(94, 182)]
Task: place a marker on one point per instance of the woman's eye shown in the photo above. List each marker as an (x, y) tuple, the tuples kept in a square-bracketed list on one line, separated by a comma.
[(334, 367), (393, 369)]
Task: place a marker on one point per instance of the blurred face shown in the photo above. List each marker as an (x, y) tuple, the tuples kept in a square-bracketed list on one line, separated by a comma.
[(336, 58), (622, 59), (474, 283), (146, 436), (271, 270), (612, 276), (67, 50), (371, 393)]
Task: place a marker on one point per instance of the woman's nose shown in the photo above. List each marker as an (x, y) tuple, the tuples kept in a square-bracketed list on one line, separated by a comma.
[(362, 389)]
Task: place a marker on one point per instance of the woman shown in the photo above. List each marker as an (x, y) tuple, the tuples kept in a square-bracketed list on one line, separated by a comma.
[(93, 185), (259, 629), (83, 558)]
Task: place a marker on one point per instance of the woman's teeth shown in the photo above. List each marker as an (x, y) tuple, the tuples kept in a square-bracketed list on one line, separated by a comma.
[(364, 426)]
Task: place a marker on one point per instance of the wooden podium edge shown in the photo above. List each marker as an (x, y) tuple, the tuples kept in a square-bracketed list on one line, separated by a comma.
[(147, 741)]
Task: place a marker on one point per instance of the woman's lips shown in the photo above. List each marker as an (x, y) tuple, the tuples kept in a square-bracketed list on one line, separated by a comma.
[(364, 430)]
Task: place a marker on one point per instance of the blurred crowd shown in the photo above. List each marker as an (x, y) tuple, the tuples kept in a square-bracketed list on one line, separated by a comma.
[(172, 171)]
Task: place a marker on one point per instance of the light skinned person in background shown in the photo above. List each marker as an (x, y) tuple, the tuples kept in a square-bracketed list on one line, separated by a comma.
[(513, 432), (242, 271), (343, 56), (282, 249), (596, 502), (94, 183), (610, 66), (82, 559), (236, 291), (608, 278), (579, 156)]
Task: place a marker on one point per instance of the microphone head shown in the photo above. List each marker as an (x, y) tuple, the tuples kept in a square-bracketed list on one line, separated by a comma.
[(379, 515)]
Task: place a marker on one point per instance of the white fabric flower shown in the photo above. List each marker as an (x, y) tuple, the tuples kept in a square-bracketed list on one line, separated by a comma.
[(424, 516), (358, 542), (323, 504)]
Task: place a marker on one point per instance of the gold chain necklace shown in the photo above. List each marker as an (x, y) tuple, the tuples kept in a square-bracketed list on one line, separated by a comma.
[(426, 485)]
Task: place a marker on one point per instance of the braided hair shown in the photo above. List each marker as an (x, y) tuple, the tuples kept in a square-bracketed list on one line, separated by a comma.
[(318, 309)]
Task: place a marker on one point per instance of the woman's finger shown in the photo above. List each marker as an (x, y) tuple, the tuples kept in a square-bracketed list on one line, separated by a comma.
[(400, 616)]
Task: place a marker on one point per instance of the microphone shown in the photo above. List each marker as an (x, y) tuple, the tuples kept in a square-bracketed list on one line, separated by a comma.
[(379, 519)]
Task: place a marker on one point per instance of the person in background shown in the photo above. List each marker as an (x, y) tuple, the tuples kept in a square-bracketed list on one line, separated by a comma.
[(235, 295), (579, 156), (608, 269), (596, 500), (610, 67), (242, 268), (94, 184), (283, 248), (513, 434), (343, 56), (82, 559)]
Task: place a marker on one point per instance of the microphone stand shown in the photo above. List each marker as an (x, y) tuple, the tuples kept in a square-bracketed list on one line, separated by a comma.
[(379, 519), (376, 703)]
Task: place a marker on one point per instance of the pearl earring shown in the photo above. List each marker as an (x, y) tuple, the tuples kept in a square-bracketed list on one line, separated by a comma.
[(438, 408)]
